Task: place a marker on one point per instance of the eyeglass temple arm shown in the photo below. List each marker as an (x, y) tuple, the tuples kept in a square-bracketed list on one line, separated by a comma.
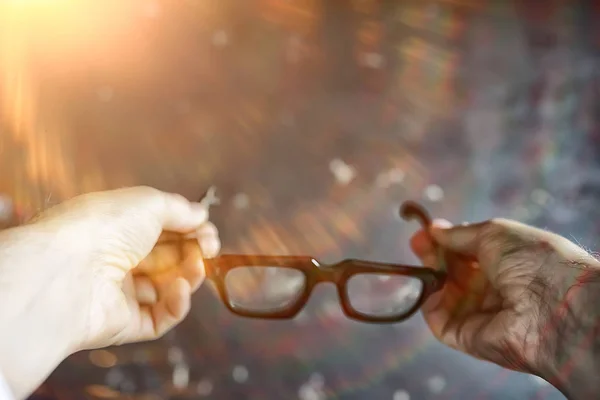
[(414, 211)]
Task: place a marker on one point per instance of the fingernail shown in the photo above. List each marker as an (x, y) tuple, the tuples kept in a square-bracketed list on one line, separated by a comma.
[(210, 247), (437, 230), (208, 230), (441, 223)]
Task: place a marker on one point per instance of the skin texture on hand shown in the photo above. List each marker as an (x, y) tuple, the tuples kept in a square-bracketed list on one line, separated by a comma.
[(86, 274), (517, 296)]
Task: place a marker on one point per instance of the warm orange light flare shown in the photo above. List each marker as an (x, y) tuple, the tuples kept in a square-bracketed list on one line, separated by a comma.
[(41, 38)]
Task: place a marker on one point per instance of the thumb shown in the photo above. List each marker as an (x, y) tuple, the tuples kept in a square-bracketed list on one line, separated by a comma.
[(175, 213), (465, 239), (144, 214)]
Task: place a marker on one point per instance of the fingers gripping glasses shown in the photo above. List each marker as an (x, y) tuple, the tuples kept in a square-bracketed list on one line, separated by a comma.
[(278, 287)]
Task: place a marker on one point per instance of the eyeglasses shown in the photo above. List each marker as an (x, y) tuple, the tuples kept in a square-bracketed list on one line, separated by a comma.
[(278, 287)]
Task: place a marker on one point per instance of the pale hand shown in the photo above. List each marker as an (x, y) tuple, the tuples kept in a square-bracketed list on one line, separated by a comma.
[(84, 275)]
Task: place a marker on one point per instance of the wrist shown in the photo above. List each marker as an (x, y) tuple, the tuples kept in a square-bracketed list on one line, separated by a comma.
[(576, 374), (572, 338), (25, 364), (33, 325)]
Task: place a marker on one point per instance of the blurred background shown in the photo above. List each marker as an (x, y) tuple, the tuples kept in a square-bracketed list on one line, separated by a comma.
[(314, 119)]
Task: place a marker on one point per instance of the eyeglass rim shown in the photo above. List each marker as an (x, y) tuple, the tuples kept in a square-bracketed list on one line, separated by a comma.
[(315, 273), (433, 280)]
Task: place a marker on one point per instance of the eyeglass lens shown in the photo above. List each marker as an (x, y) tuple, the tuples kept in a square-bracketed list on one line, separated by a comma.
[(264, 289), (382, 295), (271, 289)]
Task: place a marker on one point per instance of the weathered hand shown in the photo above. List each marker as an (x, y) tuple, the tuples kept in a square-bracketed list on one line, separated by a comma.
[(518, 296)]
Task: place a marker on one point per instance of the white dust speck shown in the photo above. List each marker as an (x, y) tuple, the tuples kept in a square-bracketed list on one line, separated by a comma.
[(204, 388), (434, 193), (313, 389), (317, 380), (308, 392), (105, 94), (175, 355), (401, 395), (540, 196), (394, 176), (343, 173), (220, 38), (373, 60), (436, 384), (240, 374), (241, 201), (181, 376), (114, 377)]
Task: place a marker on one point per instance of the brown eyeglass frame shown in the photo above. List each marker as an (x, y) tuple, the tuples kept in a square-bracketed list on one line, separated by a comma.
[(338, 274)]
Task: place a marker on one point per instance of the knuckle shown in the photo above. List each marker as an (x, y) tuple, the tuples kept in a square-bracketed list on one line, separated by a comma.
[(517, 243), (162, 333), (498, 224), (493, 229), (173, 199), (160, 200), (176, 198), (208, 230), (84, 201), (148, 192)]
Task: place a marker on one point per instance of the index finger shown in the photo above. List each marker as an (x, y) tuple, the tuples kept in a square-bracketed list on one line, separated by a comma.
[(423, 246), (174, 257)]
